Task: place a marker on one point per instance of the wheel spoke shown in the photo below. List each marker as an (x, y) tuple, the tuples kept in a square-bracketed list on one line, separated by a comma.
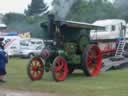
[(89, 61), (58, 68), (33, 63)]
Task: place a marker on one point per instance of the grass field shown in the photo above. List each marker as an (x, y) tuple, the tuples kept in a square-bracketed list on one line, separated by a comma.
[(112, 83)]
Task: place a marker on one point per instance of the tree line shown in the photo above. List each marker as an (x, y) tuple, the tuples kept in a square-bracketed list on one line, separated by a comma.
[(82, 10)]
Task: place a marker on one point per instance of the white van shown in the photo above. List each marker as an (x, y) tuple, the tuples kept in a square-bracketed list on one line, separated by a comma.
[(11, 45)]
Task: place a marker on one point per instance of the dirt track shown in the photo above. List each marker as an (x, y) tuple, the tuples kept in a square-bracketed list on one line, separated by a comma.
[(21, 93)]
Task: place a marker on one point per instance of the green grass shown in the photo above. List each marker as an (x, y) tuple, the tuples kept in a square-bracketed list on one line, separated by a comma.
[(112, 83)]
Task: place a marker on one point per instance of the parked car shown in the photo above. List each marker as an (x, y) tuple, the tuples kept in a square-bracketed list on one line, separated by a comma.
[(29, 52)]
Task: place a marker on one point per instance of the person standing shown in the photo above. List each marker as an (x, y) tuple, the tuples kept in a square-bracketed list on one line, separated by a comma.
[(3, 62)]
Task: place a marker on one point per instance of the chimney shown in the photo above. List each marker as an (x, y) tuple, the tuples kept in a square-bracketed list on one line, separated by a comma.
[(51, 26)]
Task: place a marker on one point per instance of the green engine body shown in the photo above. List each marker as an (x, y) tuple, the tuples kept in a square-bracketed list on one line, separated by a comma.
[(71, 38), (70, 43)]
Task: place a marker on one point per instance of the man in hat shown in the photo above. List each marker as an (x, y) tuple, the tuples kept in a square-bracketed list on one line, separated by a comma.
[(1, 43)]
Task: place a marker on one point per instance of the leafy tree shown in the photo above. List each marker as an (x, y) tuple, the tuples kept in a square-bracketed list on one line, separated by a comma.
[(92, 10), (21, 23), (13, 17), (122, 6), (82, 10), (36, 7)]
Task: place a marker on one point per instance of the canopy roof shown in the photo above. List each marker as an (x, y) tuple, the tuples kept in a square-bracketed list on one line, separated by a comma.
[(80, 25), (74, 24)]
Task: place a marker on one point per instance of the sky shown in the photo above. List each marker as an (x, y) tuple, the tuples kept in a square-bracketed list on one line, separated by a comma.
[(17, 6), (13, 5)]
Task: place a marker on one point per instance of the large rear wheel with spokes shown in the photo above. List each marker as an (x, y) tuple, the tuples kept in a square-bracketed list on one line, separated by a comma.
[(92, 60)]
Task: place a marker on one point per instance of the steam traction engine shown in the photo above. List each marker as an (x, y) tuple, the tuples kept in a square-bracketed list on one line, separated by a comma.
[(71, 49)]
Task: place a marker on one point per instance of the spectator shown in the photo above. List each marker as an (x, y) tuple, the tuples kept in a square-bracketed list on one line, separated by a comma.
[(1, 43), (3, 61)]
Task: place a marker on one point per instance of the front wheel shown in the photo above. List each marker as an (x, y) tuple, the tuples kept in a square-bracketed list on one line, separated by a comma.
[(92, 60), (59, 69), (35, 68)]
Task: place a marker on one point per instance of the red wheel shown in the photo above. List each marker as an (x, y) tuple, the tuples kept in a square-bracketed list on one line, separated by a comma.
[(59, 69), (92, 60), (35, 68)]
